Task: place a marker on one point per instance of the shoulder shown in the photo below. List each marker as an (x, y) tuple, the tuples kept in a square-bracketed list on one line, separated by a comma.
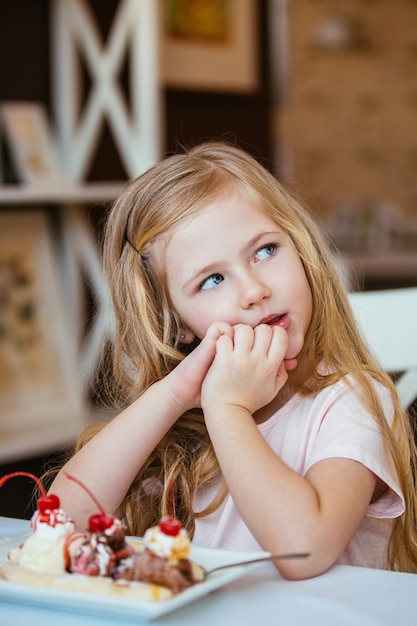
[(349, 393), (341, 400)]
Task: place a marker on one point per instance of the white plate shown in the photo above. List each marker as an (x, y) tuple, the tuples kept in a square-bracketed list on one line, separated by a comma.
[(90, 604)]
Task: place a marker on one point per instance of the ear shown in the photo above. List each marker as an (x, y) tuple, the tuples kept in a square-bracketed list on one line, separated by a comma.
[(186, 336)]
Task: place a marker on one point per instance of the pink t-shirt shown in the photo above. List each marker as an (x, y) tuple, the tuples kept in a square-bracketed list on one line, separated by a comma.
[(305, 431)]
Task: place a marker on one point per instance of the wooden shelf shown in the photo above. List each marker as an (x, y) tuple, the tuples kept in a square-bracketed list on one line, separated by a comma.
[(388, 264), (79, 262), (60, 194)]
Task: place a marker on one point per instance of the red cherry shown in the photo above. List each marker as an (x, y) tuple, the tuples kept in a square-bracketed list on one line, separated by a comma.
[(48, 503), (170, 526), (99, 522)]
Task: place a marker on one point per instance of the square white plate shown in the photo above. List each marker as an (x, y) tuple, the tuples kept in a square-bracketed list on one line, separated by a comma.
[(98, 605)]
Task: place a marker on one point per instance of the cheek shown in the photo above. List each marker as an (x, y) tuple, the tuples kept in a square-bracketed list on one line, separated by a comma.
[(200, 322), (202, 314), (191, 315)]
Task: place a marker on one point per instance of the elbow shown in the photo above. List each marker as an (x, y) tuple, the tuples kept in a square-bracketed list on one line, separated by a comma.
[(309, 567)]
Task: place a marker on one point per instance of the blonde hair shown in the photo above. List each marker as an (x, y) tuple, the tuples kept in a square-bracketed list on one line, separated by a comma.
[(145, 346)]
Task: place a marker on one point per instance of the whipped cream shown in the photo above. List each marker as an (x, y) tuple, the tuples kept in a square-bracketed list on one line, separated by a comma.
[(43, 551), (167, 546)]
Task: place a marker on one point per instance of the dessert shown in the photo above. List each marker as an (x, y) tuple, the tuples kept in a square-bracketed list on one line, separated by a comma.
[(163, 560), (43, 551), (99, 550), (100, 560)]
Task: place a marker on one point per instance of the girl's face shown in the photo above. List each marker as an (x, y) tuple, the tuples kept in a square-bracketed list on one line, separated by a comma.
[(232, 263)]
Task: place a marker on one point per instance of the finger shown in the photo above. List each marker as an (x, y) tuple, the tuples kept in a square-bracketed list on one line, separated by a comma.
[(279, 344), (217, 329), (243, 338), (224, 345), (282, 375), (203, 355), (263, 335)]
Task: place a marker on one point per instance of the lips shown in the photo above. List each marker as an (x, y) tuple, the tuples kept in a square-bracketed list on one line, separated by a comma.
[(277, 320)]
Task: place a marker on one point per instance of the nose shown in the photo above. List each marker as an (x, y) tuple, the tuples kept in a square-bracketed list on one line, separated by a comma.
[(252, 290)]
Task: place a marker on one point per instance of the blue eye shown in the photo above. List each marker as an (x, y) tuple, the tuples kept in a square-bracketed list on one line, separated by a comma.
[(266, 251), (211, 282)]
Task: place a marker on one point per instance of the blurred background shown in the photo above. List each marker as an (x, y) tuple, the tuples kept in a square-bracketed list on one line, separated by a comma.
[(323, 92)]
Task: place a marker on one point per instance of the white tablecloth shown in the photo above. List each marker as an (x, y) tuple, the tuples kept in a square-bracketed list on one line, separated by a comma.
[(344, 596)]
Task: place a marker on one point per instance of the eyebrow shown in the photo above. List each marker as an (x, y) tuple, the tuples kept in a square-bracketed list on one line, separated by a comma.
[(204, 271), (211, 268)]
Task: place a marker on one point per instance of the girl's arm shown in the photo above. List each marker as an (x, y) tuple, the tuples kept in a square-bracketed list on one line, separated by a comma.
[(285, 511), (110, 461)]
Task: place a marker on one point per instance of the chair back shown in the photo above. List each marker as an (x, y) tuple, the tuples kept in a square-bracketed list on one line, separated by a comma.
[(388, 321)]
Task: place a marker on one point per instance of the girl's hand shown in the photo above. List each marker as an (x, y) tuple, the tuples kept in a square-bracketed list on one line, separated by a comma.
[(186, 379), (248, 370)]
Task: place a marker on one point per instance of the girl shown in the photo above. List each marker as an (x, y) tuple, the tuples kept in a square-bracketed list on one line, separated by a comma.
[(247, 395)]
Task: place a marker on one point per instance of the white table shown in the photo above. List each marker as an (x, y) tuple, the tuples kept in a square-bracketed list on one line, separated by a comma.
[(344, 596)]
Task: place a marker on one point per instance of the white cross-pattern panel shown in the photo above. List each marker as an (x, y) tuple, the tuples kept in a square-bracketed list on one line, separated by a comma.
[(135, 125)]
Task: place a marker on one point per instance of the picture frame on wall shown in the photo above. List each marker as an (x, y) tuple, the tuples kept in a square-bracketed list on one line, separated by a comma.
[(210, 45), (38, 377), (31, 145)]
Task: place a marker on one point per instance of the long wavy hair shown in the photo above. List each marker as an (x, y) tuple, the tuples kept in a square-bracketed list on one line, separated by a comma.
[(144, 345)]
